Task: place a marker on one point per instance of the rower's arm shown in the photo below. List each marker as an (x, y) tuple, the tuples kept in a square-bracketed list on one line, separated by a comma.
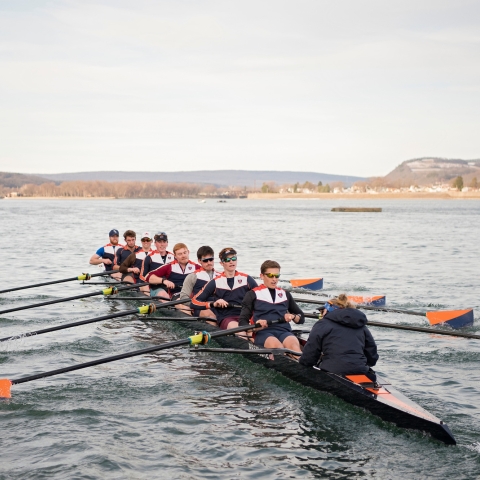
[(370, 349), (187, 287), (118, 256), (128, 263), (294, 309), (201, 300), (313, 349), (247, 308), (147, 261), (157, 276)]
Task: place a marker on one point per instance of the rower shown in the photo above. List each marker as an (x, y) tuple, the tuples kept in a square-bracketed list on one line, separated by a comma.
[(158, 256), (133, 263), (106, 255), (227, 291), (269, 302), (197, 280), (340, 342), (123, 253), (167, 280)]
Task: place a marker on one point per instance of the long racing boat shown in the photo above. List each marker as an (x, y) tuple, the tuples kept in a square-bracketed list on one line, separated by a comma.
[(381, 399)]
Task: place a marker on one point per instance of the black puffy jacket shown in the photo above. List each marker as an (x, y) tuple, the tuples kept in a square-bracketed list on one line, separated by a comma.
[(342, 343)]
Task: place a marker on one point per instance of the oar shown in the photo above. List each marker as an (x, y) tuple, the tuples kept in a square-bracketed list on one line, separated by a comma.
[(413, 329), (143, 310), (83, 276), (363, 307), (197, 339), (106, 291), (453, 318)]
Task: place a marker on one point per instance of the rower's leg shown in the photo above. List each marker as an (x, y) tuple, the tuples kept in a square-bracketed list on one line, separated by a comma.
[(291, 342), (272, 342), (129, 279), (184, 309), (207, 313), (145, 290), (116, 276)]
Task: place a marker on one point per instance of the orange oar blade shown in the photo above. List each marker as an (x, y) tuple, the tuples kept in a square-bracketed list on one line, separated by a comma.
[(454, 318), (374, 300), (308, 283), (5, 385)]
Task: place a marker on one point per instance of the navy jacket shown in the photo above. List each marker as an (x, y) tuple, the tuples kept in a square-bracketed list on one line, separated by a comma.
[(343, 342)]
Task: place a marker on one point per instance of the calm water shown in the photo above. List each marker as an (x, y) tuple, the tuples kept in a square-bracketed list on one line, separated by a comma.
[(175, 415)]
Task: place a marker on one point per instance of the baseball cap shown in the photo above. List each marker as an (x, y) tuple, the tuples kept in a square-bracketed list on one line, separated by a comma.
[(161, 236), (146, 235), (113, 233)]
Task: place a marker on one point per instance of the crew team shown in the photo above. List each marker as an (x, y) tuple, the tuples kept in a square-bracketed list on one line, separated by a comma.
[(340, 343)]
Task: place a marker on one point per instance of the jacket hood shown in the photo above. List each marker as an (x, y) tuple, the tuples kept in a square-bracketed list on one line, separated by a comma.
[(349, 317)]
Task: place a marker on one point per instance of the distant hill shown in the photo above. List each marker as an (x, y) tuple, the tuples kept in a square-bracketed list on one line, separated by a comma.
[(16, 180), (248, 178), (428, 170)]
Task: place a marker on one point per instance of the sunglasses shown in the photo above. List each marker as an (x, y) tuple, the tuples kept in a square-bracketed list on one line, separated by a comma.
[(211, 259), (229, 259), (272, 275), (146, 239)]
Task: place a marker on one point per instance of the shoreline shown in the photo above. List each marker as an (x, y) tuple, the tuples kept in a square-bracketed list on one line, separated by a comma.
[(367, 196), (296, 196)]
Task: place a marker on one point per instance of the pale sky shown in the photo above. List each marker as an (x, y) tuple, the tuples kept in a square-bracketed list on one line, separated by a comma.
[(345, 87)]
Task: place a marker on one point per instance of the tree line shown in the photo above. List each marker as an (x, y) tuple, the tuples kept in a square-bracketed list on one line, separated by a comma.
[(118, 190)]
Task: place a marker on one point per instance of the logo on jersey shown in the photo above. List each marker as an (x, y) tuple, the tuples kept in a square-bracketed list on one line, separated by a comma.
[(280, 294), (240, 280)]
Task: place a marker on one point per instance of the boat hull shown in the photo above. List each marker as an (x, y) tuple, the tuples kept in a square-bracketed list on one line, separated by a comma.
[(386, 402)]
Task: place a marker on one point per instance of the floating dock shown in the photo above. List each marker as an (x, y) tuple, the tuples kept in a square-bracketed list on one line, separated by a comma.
[(356, 209)]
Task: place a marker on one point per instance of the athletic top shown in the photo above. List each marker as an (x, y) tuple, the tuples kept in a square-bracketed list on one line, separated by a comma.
[(174, 272), (195, 282), (123, 253), (109, 251), (232, 290), (264, 303), (153, 261), (134, 260)]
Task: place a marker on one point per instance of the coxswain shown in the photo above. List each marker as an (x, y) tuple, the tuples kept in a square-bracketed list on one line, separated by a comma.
[(106, 255), (168, 279), (158, 256), (198, 279), (131, 266), (340, 342), (227, 291), (269, 302)]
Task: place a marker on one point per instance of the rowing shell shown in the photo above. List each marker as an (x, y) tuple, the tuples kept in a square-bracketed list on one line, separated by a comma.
[(385, 402)]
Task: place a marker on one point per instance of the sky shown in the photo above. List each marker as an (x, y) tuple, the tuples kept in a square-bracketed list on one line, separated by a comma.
[(349, 87)]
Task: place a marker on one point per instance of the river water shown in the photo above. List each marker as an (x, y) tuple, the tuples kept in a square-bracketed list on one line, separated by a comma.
[(176, 415)]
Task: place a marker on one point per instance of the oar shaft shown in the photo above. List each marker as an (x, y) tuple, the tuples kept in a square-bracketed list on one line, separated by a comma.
[(364, 307), (54, 282), (100, 361), (93, 320), (73, 324), (155, 348), (60, 300), (408, 328)]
